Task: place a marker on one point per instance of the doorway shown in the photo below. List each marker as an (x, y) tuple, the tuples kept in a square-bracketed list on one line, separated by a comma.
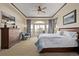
[(36, 29)]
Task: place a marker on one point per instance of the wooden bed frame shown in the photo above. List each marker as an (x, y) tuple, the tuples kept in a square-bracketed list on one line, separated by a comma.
[(65, 49)]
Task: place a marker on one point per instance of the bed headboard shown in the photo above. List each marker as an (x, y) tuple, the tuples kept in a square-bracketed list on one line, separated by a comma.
[(73, 29)]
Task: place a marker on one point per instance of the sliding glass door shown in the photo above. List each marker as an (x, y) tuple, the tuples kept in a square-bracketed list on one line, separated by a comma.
[(39, 29), (36, 29)]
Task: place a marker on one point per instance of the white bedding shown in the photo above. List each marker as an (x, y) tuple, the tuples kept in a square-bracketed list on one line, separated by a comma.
[(58, 42), (55, 41), (48, 36)]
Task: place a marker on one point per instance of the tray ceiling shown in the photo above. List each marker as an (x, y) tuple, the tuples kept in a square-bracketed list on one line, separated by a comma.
[(28, 9)]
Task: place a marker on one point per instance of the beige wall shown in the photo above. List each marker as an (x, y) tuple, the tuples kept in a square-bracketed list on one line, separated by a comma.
[(65, 10), (20, 20)]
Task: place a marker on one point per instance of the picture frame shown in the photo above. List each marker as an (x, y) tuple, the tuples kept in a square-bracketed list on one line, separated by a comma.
[(69, 18), (8, 18)]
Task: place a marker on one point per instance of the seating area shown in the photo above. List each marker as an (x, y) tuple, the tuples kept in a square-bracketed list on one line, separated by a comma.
[(25, 35)]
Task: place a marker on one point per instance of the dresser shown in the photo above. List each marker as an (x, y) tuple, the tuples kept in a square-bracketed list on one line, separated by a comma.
[(9, 37)]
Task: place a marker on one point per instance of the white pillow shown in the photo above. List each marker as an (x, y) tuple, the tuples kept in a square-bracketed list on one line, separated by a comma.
[(71, 34), (60, 33)]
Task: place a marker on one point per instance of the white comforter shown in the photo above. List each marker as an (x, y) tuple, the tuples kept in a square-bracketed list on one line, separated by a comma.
[(47, 36), (55, 41)]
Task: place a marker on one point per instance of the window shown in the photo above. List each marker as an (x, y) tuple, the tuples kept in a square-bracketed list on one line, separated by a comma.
[(31, 27)]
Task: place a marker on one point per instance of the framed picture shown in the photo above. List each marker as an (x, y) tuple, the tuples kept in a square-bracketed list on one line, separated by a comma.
[(8, 18), (70, 18)]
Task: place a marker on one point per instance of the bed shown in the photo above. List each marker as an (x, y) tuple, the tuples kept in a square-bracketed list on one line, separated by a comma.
[(58, 43)]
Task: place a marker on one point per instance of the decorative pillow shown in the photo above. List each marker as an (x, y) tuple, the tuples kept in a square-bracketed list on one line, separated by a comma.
[(71, 34), (60, 32)]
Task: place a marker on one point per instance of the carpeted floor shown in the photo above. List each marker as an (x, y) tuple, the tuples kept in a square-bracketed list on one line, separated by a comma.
[(28, 48)]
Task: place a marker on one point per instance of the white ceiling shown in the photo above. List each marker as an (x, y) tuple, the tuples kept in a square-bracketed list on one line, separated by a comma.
[(27, 9)]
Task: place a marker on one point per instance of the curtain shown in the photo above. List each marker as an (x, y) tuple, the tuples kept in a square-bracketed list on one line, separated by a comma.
[(29, 26), (50, 26), (55, 22)]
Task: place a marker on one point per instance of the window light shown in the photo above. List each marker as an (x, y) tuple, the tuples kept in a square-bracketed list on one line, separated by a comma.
[(39, 22)]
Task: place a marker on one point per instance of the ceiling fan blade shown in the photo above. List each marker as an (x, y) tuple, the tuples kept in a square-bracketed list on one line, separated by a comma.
[(43, 11), (44, 8)]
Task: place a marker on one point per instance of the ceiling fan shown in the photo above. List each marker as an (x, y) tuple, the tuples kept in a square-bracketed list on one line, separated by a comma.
[(40, 9)]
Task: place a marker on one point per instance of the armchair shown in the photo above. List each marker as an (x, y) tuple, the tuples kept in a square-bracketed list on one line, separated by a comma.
[(25, 35)]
